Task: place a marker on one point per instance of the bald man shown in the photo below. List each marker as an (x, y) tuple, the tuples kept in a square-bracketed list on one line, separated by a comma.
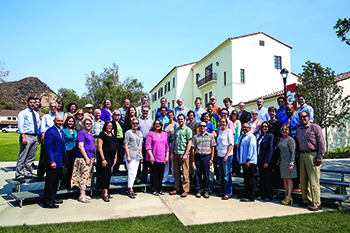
[(180, 109)]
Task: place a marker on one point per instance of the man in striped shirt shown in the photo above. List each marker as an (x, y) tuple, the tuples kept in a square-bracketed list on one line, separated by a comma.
[(203, 145)]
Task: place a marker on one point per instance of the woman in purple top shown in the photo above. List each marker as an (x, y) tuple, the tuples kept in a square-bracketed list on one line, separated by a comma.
[(82, 170), (106, 111), (157, 146)]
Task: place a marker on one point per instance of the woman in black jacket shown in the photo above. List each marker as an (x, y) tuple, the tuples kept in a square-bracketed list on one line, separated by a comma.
[(265, 152)]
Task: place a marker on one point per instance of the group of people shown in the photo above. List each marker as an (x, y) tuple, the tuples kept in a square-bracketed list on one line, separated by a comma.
[(278, 144)]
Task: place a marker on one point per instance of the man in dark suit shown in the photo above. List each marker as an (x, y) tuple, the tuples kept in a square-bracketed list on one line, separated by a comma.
[(54, 160), (244, 116)]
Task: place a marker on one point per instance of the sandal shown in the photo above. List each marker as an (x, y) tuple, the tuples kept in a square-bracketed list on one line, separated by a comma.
[(130, 194), (84, 200), (155, 194), (161, 193), (87, 197), (105, 198), (109, 196)]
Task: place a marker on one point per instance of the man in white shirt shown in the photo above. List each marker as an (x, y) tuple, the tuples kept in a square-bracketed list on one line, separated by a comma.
[(263, 114)]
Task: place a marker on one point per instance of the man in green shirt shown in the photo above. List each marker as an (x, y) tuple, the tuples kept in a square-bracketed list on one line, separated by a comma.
[(180, 149)]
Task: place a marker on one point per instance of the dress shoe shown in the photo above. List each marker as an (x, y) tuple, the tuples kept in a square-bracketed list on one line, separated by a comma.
[(173, 192), (297, 190), (21, 180), (226, 197), (51, 206), (315, 208), (34, 166), (31, 176), (220, 195), (206, 195), (246, 200), (184, 194), (198, 195), (57, 201)]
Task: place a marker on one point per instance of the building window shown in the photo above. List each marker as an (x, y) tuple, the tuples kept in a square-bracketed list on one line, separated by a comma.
[(168, 104), (210, 94), (278, 62), (261, 43), (225, 78), (169, 86), (173, 82), (165, 88), (197, 78), (242, 76), (155, 96), (173, 104), (206, 98), (208, 70)]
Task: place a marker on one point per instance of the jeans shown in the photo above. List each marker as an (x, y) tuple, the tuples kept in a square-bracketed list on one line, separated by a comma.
[(225, 173), (202, 165)]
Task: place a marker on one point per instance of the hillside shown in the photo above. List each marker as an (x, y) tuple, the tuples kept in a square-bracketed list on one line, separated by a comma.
[(16, 93)]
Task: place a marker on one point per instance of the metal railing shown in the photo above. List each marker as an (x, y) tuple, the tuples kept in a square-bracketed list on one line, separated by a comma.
[(207, 79)]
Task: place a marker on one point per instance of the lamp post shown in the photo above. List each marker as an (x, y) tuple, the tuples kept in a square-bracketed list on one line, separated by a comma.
[(284, 73)]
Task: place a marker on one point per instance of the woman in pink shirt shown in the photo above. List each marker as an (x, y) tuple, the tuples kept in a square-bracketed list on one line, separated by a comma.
[(157, 146)]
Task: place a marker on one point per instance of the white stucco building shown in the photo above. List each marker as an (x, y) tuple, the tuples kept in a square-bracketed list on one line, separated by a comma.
[(241, 68)]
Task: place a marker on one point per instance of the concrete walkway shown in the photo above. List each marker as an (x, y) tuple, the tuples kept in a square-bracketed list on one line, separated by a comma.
[(189, 211)]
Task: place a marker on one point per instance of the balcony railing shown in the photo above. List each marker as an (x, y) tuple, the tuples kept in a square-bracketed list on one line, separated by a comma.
[(207, 79)]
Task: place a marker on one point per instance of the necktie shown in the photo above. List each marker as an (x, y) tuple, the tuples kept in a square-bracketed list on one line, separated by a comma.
[(35, 123)]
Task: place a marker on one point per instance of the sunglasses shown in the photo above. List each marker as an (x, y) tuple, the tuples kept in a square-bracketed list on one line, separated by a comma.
[(254, 114), (116, 114), (284, 129), (280, 101), (202, 126), (157, 124), (303, 117), (80, 114), (88, 124), (264, 126), (135, 123)]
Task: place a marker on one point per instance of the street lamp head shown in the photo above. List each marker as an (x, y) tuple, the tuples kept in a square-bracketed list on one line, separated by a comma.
[(284, 73)]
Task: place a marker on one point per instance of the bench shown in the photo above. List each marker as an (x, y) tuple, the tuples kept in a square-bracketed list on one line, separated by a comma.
[(37, 194), (326, 197), (337, 183), (11, 169)]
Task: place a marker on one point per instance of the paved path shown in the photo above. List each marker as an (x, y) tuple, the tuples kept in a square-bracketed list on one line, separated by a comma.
[(189, 211)]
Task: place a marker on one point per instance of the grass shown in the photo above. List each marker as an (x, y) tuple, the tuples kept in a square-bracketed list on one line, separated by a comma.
[(330, 221), (9, 147)]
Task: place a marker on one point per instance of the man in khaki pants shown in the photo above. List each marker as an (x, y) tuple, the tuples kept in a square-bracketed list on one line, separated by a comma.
[(311, 147), (180, 155)]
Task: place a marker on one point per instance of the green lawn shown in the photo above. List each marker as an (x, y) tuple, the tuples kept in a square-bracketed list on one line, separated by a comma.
[(9, 147), (333, 221)]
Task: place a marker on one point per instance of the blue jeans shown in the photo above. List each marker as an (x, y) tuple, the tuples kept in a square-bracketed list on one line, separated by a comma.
[(225, 173), (202, 165)]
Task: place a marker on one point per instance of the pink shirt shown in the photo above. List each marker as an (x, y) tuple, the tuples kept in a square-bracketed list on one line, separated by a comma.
[(158, 145)]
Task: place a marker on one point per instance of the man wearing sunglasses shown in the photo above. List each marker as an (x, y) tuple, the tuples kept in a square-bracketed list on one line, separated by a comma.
[(311, 148)]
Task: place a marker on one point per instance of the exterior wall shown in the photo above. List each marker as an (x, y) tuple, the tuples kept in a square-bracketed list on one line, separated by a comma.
[(221, 91), (261, 77), (185, 86), (337, 138)]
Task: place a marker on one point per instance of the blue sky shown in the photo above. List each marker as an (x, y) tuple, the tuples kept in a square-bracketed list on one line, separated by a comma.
[(61, 41)]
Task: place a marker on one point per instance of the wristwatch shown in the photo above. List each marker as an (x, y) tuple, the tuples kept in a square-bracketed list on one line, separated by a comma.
[(291, 164)]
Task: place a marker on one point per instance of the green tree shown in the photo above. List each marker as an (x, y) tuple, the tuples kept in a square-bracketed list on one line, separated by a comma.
[(324, 94), (343, 26), (108, 85), (69, 96)]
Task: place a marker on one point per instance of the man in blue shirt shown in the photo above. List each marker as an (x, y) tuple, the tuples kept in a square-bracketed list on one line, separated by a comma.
[(180, 109), (123, 110), (263, 115), (28, 127), (163, 117), (162, 104), (281, 111), (304, 106), (292, 119), (247, 156), (198, 111), (46, 122)]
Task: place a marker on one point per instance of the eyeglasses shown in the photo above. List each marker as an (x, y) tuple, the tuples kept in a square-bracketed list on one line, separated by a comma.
[(245, 127), (284, 129), (80, 114), (202, 126), (302, 117), (135, 123), (157, 124), (264, 126), (116, 114), (254, 114), (212, 99), (88, 124), (280, 101), (144, 110)]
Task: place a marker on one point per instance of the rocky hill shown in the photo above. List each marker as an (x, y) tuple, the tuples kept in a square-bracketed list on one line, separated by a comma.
[(16, 93)]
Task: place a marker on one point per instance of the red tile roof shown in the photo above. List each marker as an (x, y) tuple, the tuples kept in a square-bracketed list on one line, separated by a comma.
[(9, 112)]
